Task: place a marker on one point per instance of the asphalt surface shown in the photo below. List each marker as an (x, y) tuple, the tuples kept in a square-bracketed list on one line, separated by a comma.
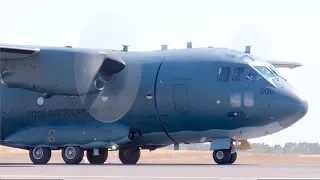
[(157, 171)]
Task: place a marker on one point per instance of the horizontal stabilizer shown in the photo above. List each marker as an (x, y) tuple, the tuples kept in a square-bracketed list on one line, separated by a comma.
[(12, 52), (284, 64)]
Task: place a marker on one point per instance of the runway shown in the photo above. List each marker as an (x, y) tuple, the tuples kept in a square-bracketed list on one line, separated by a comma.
[(163, 164), (157, 171)]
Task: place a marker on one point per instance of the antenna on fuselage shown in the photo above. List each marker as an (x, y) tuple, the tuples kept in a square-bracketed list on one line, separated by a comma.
[(248, 49), (164, 47), (189, 44), (125, 48)]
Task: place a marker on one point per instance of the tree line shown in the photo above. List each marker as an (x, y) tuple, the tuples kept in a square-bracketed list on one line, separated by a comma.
[(290, 147)]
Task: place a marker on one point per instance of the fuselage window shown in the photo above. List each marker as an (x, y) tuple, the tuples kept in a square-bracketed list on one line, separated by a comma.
[(248, 98), (235, 99), (224, 73), (238, 74)]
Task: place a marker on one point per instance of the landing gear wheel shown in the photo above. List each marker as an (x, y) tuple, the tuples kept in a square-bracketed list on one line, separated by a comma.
[(129, 156), (40, 155), (233, 158), (97, 159), (72, 154), (222, 156)]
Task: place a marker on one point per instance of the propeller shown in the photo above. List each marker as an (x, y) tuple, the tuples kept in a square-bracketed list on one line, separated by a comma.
[(107, 80)]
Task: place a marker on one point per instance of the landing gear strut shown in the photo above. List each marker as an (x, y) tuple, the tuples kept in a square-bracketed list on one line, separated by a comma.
[(99, 158), (72, 154), (129, 156), (40, 155)]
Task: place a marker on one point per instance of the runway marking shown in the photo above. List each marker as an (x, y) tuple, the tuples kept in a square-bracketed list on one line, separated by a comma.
[(151, 177), (121, 177)]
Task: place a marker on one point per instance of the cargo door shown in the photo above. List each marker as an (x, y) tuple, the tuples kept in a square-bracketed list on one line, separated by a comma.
[(172, 96)]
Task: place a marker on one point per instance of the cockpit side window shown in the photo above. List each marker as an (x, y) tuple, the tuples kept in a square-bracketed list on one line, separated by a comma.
[(223, 75), (238, 74)]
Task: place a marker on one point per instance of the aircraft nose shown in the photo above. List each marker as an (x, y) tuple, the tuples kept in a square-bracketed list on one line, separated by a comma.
[(293, 107)]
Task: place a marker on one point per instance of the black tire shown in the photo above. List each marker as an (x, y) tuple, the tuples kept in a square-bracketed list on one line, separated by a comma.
[(99, 159), (129, 156), (40, 155), (233, 158), (72, 154), (222, 156)]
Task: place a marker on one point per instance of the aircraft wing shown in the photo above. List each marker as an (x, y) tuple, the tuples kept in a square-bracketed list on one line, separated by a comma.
[(57, 70), (16, 52), (284, 64)]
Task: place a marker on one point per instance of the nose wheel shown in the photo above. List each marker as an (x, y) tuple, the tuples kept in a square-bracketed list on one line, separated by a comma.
[(233, 158), (129, 155), (40, 155), (221, 156), (224, 156)]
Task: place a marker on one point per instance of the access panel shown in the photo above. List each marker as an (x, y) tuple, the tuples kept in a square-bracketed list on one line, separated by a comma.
[(181, 98)]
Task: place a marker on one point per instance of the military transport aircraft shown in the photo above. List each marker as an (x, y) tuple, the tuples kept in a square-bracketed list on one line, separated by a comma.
[(94, 100)]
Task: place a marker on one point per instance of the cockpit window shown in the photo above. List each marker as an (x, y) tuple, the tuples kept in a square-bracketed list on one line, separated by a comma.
[(254, 75), (224, 73), (264, 71), (238, 74), (276, 72)]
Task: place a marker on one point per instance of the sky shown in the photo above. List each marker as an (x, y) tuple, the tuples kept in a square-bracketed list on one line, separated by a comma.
[(286, 30)]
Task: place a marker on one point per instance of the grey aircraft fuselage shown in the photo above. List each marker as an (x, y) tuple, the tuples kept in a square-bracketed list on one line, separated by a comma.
[(170, 96)]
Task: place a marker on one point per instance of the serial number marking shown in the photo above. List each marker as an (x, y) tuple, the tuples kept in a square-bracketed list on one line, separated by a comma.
[(69, 112), (266, 91)]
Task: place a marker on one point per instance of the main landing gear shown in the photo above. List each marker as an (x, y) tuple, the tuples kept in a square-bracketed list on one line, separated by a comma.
[(129, 155), (97, 156), (40, 155), (71, 155)]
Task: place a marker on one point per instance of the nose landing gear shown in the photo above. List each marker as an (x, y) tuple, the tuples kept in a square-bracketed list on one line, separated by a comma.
[(224, 156), (227, 155)]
